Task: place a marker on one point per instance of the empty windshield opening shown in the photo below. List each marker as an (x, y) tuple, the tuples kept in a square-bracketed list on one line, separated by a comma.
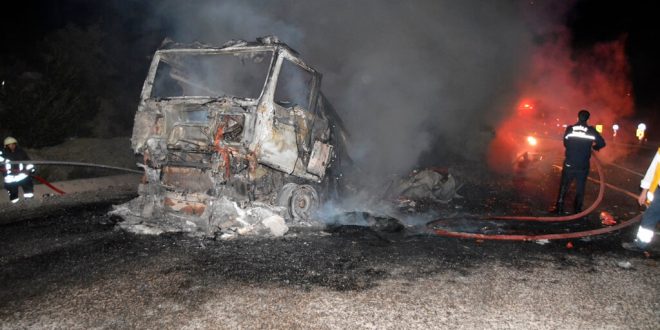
[(211, 75)]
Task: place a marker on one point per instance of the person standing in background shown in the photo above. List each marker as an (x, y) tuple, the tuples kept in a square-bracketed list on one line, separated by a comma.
[(579, 139), (651, 216), (17, 175)]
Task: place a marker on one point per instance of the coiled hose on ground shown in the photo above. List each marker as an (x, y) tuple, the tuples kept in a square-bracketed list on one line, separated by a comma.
[(517, 237)]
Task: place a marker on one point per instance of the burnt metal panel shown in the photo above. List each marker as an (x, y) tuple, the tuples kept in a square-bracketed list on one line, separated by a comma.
[(187, 179)]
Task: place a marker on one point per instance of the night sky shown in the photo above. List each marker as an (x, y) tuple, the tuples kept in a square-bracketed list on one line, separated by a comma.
[(594, 21), (139, 26)]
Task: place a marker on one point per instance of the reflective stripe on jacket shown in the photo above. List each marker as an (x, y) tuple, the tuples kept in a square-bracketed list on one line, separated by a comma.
[(579, 139)]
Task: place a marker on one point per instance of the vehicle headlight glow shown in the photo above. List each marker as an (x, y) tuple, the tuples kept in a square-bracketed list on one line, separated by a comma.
[(532, 141)]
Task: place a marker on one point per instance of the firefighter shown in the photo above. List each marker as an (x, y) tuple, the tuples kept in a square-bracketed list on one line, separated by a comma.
[(579, 139), (651, 216), (17, 175)]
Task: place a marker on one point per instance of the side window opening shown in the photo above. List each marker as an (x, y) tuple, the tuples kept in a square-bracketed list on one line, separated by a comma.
[(294, 86), (164, 86)]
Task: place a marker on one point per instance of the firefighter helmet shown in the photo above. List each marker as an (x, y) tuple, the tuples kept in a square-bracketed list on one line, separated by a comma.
[(9, 140)]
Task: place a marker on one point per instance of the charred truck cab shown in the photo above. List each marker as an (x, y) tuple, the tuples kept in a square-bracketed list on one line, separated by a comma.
[(244, 122)]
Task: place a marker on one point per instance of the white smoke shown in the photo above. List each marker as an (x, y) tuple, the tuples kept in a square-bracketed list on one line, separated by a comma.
[(404, 75)]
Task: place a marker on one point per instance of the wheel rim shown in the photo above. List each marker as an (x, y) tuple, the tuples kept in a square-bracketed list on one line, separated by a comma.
[(304, 202)]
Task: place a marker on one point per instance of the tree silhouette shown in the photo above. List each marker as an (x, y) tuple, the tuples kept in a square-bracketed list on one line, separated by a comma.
[(60, 93)]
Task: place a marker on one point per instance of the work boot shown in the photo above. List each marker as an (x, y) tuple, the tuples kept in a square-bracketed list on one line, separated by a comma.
[(578, 208), (635, 246), (558, 209)]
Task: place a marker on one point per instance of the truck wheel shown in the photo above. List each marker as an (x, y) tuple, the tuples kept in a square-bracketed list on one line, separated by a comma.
[(304, 202), (300, 200)]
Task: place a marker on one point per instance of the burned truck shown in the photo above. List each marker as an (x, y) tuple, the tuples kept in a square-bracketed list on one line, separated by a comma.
[(231, 127)]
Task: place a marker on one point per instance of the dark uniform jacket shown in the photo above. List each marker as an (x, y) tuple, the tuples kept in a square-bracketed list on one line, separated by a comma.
[(17, 155), (579, 139)]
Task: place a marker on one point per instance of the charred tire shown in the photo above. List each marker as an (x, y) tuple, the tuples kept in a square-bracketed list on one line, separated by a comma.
[(301, 201), (284, 196)]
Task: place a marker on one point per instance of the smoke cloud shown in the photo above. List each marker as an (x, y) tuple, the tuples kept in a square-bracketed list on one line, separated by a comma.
[(558, 82), (420, 82), (406, 77)]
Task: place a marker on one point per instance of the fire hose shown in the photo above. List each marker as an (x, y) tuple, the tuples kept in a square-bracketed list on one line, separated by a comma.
[(64, 163), (512, 237)]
